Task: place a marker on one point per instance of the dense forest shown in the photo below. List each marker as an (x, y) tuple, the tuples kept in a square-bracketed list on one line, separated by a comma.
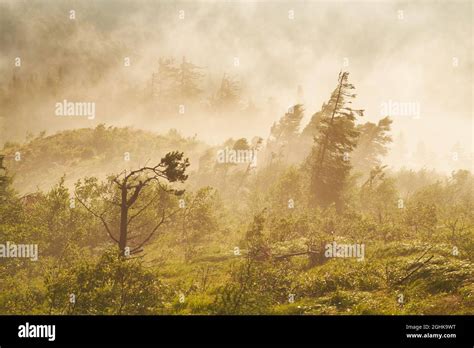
[(308, 220)]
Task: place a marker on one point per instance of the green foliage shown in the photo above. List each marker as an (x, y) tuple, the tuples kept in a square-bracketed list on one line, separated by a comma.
[(110, 285), (197, 220), (245, 293), (256, 240), (88, 152), (371, 145), (378, 195), (421, 217), (337, 137), (285, 131), (232, 239)]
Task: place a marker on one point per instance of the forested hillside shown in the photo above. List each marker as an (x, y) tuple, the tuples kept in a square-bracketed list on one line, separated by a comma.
[(41, 160), (306, 219)]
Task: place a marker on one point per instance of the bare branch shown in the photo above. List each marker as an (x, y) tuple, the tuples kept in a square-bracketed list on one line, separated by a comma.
[(97, 216), (142, 209), (416, 269), (151, 234)]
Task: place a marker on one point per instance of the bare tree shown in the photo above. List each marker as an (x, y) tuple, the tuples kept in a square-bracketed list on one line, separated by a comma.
[(124, 191)]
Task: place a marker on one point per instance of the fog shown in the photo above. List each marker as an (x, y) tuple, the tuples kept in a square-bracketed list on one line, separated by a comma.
[(419, 53)]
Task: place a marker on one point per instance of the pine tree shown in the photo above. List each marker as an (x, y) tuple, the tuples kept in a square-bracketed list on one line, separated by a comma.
[(284, 135), (228, 94), (337, 137), (189, 77), (287, 127), (176, 81), (371, 145), (311, 129), (164, 83)]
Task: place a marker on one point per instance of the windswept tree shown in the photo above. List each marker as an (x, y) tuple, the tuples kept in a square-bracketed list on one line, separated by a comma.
[(134, 201), (337, 137), (189, 77), (311, 129), (371, 145), (284, 134), (228, 94), (288, 126), (176, 81), (252, 157), (163, 85)]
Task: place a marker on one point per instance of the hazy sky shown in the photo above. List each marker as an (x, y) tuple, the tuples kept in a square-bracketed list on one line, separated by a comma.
[(416, 53)]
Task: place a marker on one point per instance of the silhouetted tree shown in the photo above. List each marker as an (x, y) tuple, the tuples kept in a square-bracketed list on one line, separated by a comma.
[(228, 94), (128, 187), (371, 145), (164, 82), (174, 81), (189, 76), (284, 135), (337, 138)]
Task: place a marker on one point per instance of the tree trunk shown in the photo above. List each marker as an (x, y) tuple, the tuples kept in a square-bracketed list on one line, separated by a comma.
[(123, 221), (326, 140)]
